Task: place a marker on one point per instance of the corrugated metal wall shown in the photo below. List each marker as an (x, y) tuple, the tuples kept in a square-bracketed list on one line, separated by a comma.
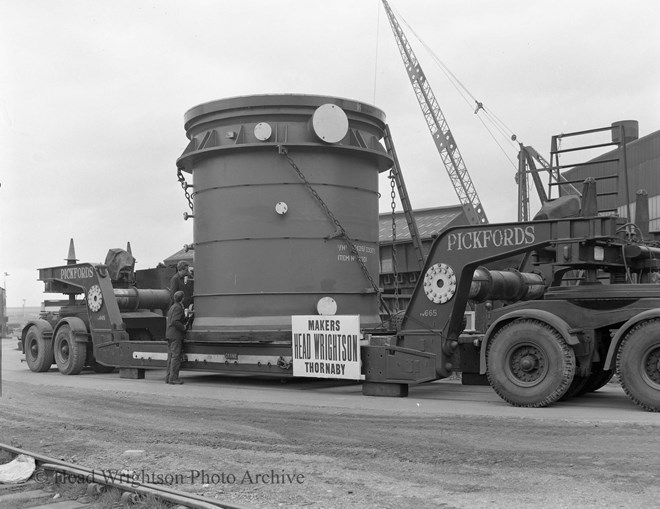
[(643, 173)]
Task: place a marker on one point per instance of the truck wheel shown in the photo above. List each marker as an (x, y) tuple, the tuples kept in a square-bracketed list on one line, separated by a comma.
[(529, 364), (576, 387), (596, 380), (638, 365), (38, 351), (70, 355)]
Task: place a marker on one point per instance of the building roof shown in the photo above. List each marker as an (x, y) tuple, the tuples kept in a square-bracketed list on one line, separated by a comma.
[(178, 256), (430, 222)]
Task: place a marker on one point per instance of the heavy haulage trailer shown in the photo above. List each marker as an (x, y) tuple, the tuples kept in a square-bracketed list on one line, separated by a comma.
[(285, 214)]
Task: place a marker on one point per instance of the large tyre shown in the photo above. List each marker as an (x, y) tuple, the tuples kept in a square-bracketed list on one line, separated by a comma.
[(596, 380), (38, 351), (529, 364), (576, 387), (638, 365), (70, 354)]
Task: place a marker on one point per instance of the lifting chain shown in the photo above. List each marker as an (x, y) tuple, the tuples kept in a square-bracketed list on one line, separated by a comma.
[(340, 232), (395, 274), (185, 186)]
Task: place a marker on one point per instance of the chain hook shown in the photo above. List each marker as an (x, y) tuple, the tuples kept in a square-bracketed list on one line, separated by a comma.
[(395, 274), (185, 186)]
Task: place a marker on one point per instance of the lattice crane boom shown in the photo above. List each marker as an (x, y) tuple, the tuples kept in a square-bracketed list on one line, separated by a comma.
[(437, 123)]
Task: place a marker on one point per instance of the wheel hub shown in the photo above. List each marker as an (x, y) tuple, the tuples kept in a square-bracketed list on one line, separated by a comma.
[(652, 365), (34, 349), (527, 365)]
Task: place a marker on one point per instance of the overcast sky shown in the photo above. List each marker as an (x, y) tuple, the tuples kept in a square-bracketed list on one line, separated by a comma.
[(93, 95)]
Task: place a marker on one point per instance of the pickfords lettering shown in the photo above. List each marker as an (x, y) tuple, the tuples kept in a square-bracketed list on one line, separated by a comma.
[(496, 237), (76, 273)]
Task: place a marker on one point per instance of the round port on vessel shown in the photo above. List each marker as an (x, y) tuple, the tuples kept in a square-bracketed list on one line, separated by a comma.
[(330, 123), (326, 306), (262, 131)]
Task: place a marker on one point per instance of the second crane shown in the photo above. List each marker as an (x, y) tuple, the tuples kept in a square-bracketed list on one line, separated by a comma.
[(442, 135)]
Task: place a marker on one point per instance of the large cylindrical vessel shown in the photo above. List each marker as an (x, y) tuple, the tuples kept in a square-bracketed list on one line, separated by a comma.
[(277, 179)]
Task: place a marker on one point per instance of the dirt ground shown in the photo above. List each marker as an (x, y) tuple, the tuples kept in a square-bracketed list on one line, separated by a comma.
[(309, 444), (265, 455)]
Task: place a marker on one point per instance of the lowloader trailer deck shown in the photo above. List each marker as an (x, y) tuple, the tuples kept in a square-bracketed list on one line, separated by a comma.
[(582, 304)]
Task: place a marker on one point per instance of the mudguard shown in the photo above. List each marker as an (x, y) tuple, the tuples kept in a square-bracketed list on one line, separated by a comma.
[(621, 333), (553, 321), (45, 328), (78, 328)]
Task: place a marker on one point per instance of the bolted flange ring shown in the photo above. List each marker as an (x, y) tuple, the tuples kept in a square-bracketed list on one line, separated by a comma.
[(440, 283)]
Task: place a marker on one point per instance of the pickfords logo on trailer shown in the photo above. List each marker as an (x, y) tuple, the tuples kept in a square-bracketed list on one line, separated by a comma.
[(326, 346), (496, 237), (76, 273)]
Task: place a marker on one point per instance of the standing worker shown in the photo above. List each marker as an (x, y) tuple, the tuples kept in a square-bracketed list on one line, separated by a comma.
[(182, 281), (176, 331)]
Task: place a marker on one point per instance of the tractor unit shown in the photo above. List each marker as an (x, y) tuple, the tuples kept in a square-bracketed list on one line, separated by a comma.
[(580, 302)]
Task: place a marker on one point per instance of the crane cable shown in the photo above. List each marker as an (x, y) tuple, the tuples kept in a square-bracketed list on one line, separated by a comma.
[(471, 100), (377, 46)]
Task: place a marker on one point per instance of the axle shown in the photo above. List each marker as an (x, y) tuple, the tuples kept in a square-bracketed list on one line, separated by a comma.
[(131, 299), (506, 285)]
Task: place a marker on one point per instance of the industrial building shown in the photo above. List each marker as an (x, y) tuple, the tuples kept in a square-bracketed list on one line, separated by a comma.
[(430, 223), (642, 159)]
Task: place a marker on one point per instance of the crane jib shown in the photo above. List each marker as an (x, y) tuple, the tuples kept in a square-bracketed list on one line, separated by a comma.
[(438, 126)]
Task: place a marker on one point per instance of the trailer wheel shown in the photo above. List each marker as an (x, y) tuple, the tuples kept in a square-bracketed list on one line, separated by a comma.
[(529, 364), (70, 354), (575, 389), (38, 351), (638, 365), (596, 380)]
